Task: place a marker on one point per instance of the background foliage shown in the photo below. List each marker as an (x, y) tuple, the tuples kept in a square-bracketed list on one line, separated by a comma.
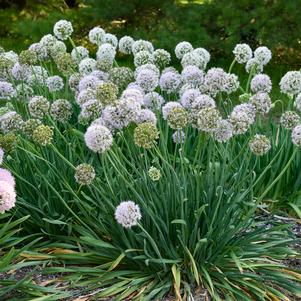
[(214, 24)]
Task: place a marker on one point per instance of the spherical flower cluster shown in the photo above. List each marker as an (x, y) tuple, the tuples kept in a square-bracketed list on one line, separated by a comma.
[(61, 110), (263, 55), (111, 39), (7, 196), (144, 67), (193, 75), (170, 82), (142, 58), (178, 137), (101, 75), (84, 96), (260, 145), (142, 45), (6, 91), (21, 72), (28, 57), (88, 82), (10, 122), (79, 53), (289, 119), (182, 48), (188, 97), (47, 41), (96, 35), (121, 77), (208, 119), (84, 174), (98, 138), (168, 107), (147, 80), (203, 53), (153, 100), (63, 29), (65, 63), (125, 45), (6, 176), (106, 52), (177, 118), (128, 214), (145, 135), (296, 135), (55, 83), (214, 82), (57, 49), (107, 93), (129, 110), (110, 118), (86, 66), (242, 117), (254, 66), (40, 51), (242, 53), (223, 131), (161, 58), (261, 83), (8, 142), (90, 111), (38, 106), (29, 126), (42, 135), (135, 93), (193, 58), (262, 102), (291, 82), (154, 173), (231, 83), (146, 115)]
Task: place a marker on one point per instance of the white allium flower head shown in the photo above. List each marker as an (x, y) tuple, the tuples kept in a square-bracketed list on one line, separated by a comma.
[(40, 50), (223, 131), (88, 81), (7, 196), (260, 145), (125, 45), (111, 39), (168, 107), (182, 48), (263, 54), (261, 83), (208, 119), (134, 93), (96, 35), (21, 72), (129, 110), (57, 48), (242, 117), (214, 81), (296, 135), (98, 138), (63, 29), (143, 57), (242, 53), (24, 91), (10, 122), (262, 102), (85, 95), (11, 55), (170, 82), (188, 97), (161, 58), (147, 80), (6, 176), (195, 59), (86, 66), (101, 75), (55, 83), (193, 75), (7, 91), (254, 65), (146, 115), (79, 53), (289, 119), (1, 156), (147, 67), (127, 214), (231, 83), (291, 83), (38, 106), (106, 51), (153, 100), (142, 45), (203, 53), (298, 102)]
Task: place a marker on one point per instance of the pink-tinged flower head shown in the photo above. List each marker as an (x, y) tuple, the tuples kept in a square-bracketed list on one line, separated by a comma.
[(6, 176), (128, 214), (7, 196)]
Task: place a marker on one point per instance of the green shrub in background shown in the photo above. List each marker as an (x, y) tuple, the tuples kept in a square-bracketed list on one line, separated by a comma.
[(216, 25)]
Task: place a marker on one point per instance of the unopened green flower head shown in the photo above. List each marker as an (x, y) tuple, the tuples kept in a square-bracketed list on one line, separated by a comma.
[(154, 173), (8, 142), (145, 135), (43, 135), (260, 145), (29, 126), (107, 93), (177, 118), (65, 63), (121, 77), (28, 57), (244, 97), (84, 174)]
